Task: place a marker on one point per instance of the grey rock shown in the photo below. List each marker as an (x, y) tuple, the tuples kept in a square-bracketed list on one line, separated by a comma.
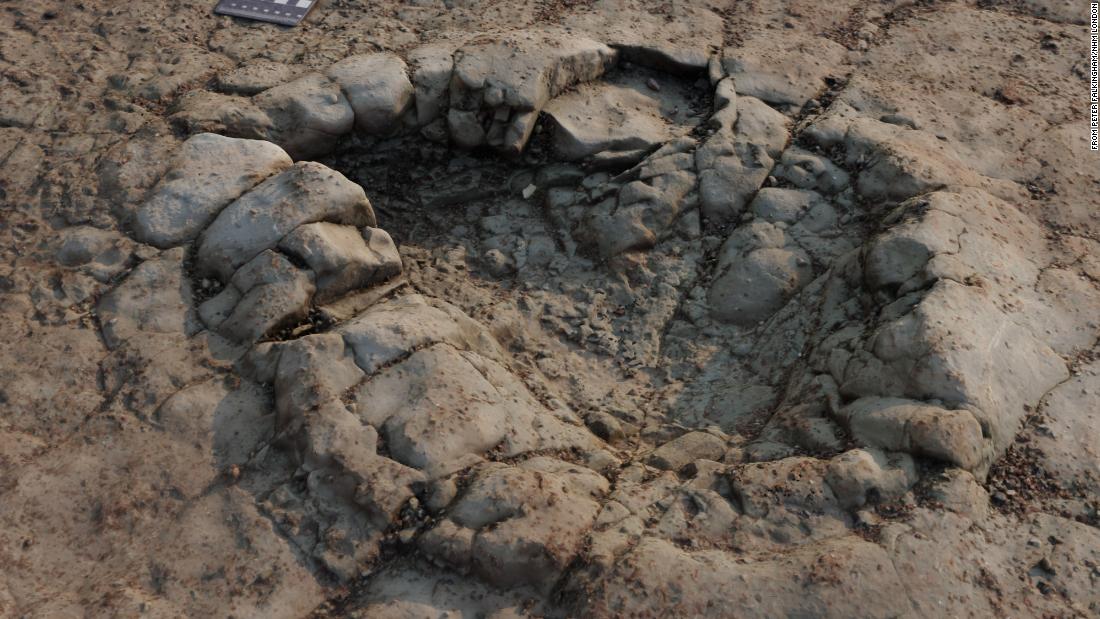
[(902, 163), (676, 42), (499, 87), (378, 89), (559, 175), (783, 68), (618, 114), (809, 171), (311, 371), (304, 193), (730, 173), (217, 308), (788, 206), (541, 251), (432, 67), (164, 71), (905, 357), (784, 484), (103, 254), (516, 526), (208, 172), (497, 263), (919, 429), (439, 392), (342, 258), (828, 129), (437, 411), (810, 222), (678, 453), (307, 115), (724, 114), (899, 119), (605, 426), (759, 123), (901, 255), (767, 587), (958, 491), (155, 298), (646, 207), (1069, 437), (409, 592), (465, 128), (272, 293), (616, 161), (860, 476), (387, 331), (675, 59), (758, 271)]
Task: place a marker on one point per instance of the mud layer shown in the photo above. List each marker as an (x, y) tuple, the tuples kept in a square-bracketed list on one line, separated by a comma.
[(607, 309)]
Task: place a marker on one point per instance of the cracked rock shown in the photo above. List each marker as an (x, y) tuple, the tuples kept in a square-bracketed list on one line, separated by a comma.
[(498, 88), (515, 526), (343, 258), (103, 254), (200, 111), (431, 77), (258, 220), (208, 172), (378, 89), (154, 298), (782, 70), (263, 296), (255, 77), (730, 173), (622, 114), (307, 115), (759, 269), (678, 453), (809, 171)]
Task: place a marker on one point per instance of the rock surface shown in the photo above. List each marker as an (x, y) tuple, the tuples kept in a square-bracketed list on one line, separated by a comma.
[(806, 326), (303, 194), (209, 172), (377, 87), (342, 257), (498, 88), (307, 115), (617, 115)]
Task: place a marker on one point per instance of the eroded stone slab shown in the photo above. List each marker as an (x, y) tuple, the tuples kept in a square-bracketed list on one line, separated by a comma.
[(307, 115), (155, 298), (623, 113), (208, 172), (378, 88), (263, 296), (498, 87), (343, 258), (304, 193)]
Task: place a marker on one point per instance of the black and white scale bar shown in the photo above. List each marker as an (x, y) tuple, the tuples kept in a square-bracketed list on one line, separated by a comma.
[(285, 12)]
